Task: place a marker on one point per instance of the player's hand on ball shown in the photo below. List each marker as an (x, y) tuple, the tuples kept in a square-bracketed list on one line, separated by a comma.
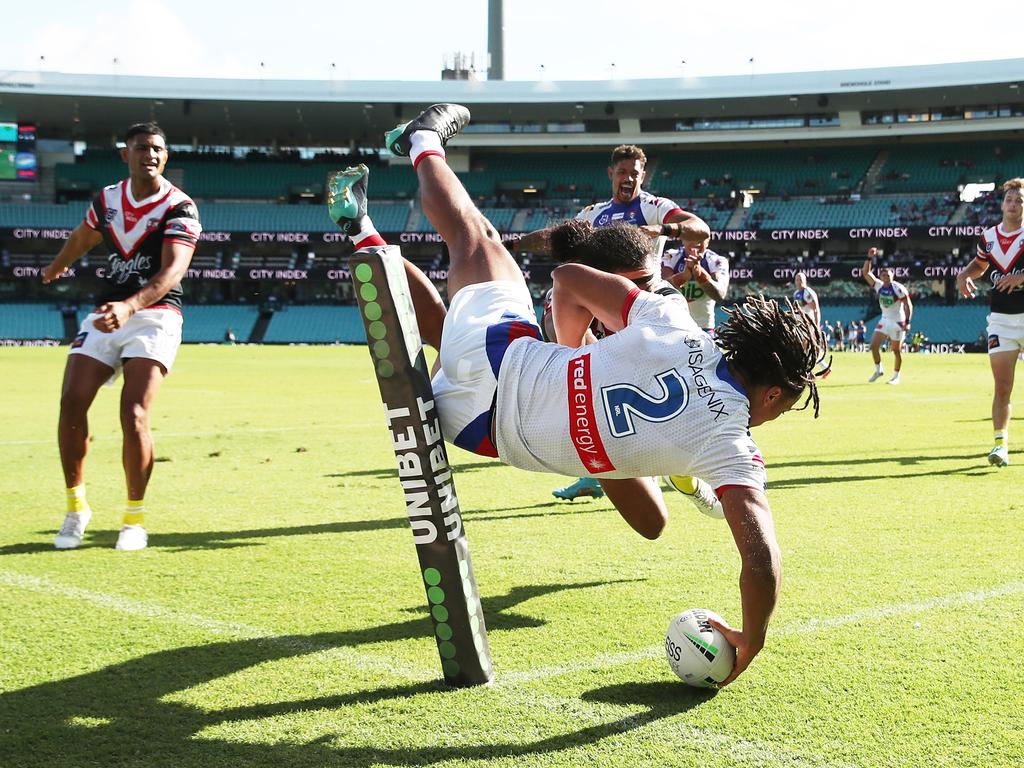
[(746, 649), (872, 252)]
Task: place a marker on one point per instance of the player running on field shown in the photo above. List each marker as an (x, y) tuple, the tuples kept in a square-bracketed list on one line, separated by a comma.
[(150, 229), (1001, 249), (897, 311), (656, 396)]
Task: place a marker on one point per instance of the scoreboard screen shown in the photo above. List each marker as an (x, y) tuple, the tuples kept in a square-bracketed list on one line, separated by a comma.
[(17, 151)]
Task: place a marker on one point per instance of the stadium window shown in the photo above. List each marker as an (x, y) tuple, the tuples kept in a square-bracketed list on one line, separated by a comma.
[(913, 117)]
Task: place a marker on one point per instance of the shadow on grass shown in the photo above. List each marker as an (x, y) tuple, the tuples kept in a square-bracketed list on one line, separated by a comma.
[(905, 461), (393, 471), (972, 470), (251, 537), (126, 715)]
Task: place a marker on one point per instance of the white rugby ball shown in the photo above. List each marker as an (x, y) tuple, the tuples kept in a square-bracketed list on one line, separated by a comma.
[(697, 652)]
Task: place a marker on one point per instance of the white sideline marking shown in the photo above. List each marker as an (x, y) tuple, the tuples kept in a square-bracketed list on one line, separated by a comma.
[(230, 629), (742, 751), (814, 625)]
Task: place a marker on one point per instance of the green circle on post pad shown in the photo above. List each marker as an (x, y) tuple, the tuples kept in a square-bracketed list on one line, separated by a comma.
[(378, 330), (435, 595), (447, 649), (432, 576), (450, 667), (440, 613), (382, 349), (372, 310), (385, 369), (444, 632), (364, 273), (368, 291)]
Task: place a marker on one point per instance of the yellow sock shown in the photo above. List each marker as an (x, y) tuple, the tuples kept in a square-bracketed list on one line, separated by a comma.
[(134, 512), (685, 483), (76, 499), (1002, 437)]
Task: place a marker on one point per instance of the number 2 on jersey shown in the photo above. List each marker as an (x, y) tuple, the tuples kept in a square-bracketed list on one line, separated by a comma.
[(624, 402)]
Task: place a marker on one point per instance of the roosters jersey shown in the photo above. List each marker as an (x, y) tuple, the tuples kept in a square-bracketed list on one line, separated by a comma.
[(1003, 253), (890, 300), (702, 306), (134, 233), (655, 398), (645, 208), (805, 299)]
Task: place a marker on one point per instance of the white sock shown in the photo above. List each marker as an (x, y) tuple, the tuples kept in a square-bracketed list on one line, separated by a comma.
[(879, 368), (366, 229), (424, 141)]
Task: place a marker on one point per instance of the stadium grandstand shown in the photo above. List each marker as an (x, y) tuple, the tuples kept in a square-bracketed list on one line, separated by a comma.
[(791, 171)]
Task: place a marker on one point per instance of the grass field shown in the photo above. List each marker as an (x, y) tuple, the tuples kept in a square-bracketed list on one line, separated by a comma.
[(278, 617)]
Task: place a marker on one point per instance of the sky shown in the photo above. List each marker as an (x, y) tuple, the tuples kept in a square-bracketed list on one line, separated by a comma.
[(544, 39)]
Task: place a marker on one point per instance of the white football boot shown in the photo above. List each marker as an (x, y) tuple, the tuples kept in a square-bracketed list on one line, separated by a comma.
[(71, 532)]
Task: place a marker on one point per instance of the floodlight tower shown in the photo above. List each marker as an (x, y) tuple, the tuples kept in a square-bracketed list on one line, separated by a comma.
[(496, 39)]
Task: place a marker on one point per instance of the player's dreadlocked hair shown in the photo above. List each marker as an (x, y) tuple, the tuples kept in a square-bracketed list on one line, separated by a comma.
[(772, 346), (618, 248)]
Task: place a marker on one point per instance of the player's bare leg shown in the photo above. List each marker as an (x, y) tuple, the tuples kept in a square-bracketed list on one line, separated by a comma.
[(876, 355), (142, 380), (477, 254), (83, 376), (1004, 366)]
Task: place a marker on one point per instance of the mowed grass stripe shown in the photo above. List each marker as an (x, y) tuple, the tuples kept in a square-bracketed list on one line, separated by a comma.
[(229, 629)]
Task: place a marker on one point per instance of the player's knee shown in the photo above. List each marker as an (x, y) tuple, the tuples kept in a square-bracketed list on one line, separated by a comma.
[(134, 418), (653, 527)]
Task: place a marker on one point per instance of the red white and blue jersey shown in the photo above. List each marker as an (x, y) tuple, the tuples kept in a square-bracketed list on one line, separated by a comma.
[(655, 398), (645, 208), (1003, 253), (134, 232), (805, 300)]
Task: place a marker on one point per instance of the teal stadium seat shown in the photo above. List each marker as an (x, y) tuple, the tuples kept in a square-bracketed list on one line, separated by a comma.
[(30, 321), (316, 325), (208, 322)]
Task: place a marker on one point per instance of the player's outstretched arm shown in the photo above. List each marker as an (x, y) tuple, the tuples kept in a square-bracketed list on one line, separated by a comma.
[(750, 518), (81, 241), (866, 270), (581, 293)]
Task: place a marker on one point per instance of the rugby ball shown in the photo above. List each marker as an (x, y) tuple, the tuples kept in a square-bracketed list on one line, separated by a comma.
[(697, 652)]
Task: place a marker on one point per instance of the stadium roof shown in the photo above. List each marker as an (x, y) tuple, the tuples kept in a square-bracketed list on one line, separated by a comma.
[(95, 108)]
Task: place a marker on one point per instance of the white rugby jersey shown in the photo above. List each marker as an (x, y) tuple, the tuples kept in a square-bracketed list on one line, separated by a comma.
[(645, 208), (1001, 252), (890, 300), (805, 299), (702, 306), (655, 398)]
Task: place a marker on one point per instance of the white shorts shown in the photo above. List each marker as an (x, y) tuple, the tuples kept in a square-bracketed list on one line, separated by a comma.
[(1005, 332), (151, 333), (484, 318), (891, 329)]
